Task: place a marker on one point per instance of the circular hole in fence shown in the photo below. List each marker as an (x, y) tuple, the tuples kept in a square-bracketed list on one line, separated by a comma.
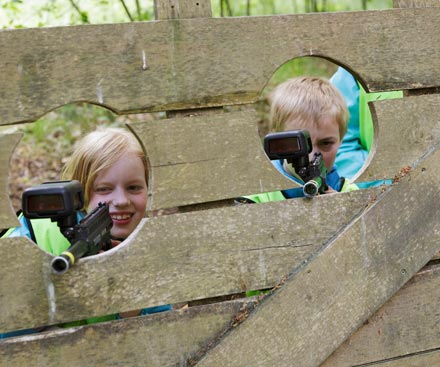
[(48, 142), (353, 154), (47, 146)]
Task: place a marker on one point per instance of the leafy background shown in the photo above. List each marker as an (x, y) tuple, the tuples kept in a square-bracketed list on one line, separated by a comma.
[(47, 142)]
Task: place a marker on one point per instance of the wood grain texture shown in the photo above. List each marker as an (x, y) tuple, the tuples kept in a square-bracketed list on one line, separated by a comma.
[(430, 358), (8, 142), (206, 158), (180, 64), (343, 255), (355, 274), (405, 130), (399, 331), (408, 324), (166, 339), (406, 321), (172, 259)]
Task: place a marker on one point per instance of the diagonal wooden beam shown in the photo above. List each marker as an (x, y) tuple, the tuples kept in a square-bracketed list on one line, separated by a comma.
[(406, 325), (353, 275)]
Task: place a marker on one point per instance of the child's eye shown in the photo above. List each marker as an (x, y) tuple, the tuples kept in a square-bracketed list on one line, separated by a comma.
[(326, 144), (135, 188), (102, 189)]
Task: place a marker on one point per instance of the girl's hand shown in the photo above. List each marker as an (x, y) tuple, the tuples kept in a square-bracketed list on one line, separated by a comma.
[(115, 243)]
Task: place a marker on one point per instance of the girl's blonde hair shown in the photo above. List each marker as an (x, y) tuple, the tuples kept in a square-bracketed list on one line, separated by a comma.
[(307, 99), (97, 151)]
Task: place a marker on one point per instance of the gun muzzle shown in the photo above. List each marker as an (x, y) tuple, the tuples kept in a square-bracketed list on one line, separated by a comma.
[(60, 264), (311, 188)]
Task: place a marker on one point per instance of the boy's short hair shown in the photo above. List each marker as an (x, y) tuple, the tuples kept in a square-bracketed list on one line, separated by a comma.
[(97, 151), (307, 99)]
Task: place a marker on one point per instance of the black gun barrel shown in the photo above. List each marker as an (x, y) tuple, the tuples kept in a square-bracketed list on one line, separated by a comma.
[(315, 177), (88, 237), (60, 264), (311, 188)]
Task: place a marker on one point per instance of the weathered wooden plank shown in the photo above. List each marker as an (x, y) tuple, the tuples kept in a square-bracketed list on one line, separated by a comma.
[(356, 273), (415, 3), (408, 324), (178, 64), (406, 129), (206, 158), (186, 333), (215, 157), (35, 285), (394, 331), (172, 259), (174, 9), (8, 142), (220, 156), (166, 339)]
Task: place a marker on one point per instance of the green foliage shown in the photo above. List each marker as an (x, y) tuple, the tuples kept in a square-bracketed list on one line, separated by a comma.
[(40, 13), (66, 124), (43, 13), (303, 66), (264, 7)]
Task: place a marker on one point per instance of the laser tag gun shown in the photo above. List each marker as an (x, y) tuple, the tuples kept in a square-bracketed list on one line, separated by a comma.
[(295, 147), (60, 202)]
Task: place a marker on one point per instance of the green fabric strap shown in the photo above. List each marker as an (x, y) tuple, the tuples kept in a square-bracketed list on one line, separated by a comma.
[(365, 120), (266, 197)]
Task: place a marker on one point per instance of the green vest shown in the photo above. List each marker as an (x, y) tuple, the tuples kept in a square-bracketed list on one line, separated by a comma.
[(47, 235), (266, 197)]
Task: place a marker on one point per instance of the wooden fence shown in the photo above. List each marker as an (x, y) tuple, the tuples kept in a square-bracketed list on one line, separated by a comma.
[(355, 276)]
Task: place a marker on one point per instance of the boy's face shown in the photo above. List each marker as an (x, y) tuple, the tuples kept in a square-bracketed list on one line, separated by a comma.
[(325, 138), (124, 188)]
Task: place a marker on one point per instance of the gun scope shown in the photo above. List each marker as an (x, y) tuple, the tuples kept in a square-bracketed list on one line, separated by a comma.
[(291, 145), (53, 200), (295, 146)]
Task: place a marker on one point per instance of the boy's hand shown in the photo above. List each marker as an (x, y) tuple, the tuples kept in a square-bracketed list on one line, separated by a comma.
[(330, 191)]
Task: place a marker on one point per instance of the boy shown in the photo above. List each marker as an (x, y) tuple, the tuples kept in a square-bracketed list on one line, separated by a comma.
[(315, 105)]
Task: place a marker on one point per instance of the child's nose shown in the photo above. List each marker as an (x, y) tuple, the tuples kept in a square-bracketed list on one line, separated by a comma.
[(312, 154), (120, 198)]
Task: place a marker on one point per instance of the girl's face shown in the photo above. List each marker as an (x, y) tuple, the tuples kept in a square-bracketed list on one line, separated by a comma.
[(124, 188), (325, 138)]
